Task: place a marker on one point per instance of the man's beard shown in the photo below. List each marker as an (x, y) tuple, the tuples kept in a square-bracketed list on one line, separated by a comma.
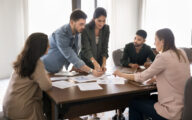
[(80, 30), (138, 45), (75, 30)]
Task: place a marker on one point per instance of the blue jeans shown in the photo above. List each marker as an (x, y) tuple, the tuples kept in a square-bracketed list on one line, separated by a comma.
[(143, 107)]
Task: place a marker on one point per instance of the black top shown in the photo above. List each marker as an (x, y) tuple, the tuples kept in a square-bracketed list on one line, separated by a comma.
[(130, 55)]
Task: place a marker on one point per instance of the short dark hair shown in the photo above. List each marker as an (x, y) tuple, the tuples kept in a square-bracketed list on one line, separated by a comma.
[(78, 14), (142, 33)]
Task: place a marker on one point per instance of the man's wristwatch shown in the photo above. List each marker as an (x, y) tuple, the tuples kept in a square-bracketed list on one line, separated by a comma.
[(90, 71)]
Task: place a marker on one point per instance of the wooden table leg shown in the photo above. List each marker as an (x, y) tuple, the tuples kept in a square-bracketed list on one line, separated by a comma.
[(55, 114)]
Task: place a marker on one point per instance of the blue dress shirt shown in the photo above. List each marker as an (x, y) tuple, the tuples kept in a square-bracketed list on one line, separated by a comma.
[(63, 50)]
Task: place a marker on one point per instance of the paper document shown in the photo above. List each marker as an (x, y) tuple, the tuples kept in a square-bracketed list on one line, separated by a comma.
[(87, 78), (67, 73), (59, 78), (89, 86), (83, 78), (63, 84), (142, 67), (111, 80)]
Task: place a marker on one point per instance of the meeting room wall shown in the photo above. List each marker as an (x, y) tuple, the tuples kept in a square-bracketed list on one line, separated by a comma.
[(12, 33), (124, 22), (123, 17)]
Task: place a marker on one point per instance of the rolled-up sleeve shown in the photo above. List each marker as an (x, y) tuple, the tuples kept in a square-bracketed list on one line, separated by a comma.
[(156, 67), (63, 44)]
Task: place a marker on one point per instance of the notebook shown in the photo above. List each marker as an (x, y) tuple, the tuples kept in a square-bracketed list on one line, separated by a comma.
[(142, 84)]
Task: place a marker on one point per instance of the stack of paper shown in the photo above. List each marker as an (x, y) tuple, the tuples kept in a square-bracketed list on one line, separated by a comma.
[(141, 83), (63, 84), (87, 78), (89, 86), (81, 79), (142, 67), (58, 78), (111, 80), (67, 73)]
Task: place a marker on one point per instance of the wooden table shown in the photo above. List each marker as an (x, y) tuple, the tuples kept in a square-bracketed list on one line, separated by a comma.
[(71, 102)]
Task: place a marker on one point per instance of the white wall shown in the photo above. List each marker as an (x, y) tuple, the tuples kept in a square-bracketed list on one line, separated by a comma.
[(48, 15), (124, 22), (123, 18), (12, 33)]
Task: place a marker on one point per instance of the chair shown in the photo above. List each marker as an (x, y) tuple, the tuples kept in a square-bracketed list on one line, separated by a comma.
[(117, 55), (2, 116), (187, 100), (189, 53)]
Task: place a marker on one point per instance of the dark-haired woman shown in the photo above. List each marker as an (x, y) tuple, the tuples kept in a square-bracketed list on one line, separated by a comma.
[(171, 68), (22, 100), (94, 41)]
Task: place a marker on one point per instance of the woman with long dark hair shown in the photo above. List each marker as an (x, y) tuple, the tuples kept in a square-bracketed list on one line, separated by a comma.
[(22, 100), (171, 68), (95, 40)]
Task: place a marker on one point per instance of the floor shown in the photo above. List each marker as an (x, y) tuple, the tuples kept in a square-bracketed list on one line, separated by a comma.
[(106, 115)]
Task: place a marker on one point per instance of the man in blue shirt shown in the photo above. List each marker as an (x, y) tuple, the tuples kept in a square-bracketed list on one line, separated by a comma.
[(65, 45)]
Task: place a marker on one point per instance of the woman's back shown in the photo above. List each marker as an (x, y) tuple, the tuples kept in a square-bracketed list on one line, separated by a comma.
[(24, 93), (176, 71), (170, 83)]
